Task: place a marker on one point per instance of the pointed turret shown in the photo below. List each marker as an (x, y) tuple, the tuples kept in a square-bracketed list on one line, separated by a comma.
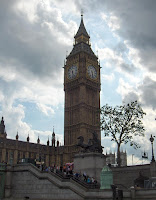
[(2, 129), (17, 136), (48, 142), (57, 142), (82, 32), (82, 41), (28, 138), (38, 140), (53, 138)]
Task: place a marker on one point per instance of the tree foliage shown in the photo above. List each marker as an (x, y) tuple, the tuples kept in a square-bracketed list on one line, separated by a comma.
[(122, 123)]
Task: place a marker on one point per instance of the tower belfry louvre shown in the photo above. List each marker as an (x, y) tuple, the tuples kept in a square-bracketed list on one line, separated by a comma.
[(82, 90)]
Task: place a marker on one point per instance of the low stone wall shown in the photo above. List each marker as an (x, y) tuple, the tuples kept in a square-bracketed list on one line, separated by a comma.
[(2, 180), (126, 175)]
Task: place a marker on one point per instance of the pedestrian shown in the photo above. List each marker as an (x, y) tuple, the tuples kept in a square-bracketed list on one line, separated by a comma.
[(64, 168), (54, 169), (92, 180), (61, 168), (85, 176), (114, 187), (88, 180)]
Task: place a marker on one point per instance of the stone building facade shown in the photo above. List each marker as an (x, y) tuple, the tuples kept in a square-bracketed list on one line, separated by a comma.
[(12, 151)]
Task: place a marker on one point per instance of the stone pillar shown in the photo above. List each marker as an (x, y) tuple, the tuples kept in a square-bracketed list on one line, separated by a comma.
[(132, 193), (8, 180), (4, 155), (10, 157), (27, 152), (153, 169), (15, 157), (91, 163), (27, 155), (2, 179), (47, 160)]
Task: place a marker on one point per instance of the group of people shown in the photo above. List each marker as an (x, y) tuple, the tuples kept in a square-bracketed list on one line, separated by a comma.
[(84, 177), (66, 171)]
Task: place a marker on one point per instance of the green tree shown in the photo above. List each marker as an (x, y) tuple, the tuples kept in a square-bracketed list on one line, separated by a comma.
[(122, 123)]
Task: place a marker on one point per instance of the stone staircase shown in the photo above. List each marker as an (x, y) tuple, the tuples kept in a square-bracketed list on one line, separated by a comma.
[(28, 182)]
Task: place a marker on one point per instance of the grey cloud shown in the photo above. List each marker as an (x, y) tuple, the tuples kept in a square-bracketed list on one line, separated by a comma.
[(132, 96), (34, 48), (120, 48), (137, 24), (148, 92), (127, 67)]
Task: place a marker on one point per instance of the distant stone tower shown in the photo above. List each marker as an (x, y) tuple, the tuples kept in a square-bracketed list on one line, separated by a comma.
[(3, 133), (110, 158), (123, 157)]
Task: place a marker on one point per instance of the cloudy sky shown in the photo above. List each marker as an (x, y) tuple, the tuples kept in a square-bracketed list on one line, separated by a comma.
[(36, 36)]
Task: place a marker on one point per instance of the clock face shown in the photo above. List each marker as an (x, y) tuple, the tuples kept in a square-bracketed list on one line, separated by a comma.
[(92, 72), (72, 72)]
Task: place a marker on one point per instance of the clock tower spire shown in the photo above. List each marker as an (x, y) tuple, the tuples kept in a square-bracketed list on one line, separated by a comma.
[(82, 35), (82, 90)]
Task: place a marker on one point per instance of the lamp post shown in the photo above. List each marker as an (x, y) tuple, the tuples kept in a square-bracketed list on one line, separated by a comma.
[(132, 158), (151, 140)]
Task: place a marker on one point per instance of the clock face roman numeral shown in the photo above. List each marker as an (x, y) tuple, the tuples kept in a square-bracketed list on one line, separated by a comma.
[(92, 72), (72, 72)]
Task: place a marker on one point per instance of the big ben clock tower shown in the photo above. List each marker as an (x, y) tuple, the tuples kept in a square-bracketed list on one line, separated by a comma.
[(82, 90)]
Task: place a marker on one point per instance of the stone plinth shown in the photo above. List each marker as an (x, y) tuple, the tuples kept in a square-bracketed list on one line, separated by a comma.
[(91, 163)]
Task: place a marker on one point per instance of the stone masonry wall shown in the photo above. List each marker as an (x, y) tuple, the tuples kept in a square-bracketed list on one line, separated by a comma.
[(25, 184), (126, 175)]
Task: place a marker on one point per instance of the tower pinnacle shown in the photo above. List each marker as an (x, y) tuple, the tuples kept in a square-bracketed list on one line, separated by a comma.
[(2, 129), (82, 30), (81, 14)]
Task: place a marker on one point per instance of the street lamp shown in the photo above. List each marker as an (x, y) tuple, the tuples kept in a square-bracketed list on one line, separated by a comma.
[(132, 158), (151, 140)]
